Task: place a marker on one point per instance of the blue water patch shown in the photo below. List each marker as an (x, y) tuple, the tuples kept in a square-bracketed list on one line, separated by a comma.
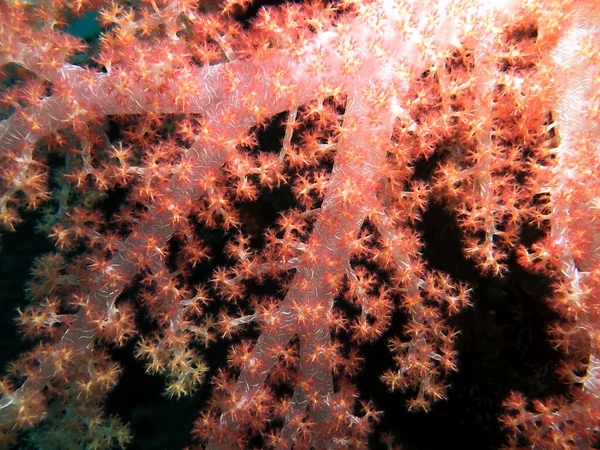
[(85, 27)]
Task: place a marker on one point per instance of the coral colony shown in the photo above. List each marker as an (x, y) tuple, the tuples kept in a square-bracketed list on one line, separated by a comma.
[(261, 207)]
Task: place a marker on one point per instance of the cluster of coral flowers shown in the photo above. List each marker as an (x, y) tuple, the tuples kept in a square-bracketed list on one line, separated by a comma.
[(154, 157)]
